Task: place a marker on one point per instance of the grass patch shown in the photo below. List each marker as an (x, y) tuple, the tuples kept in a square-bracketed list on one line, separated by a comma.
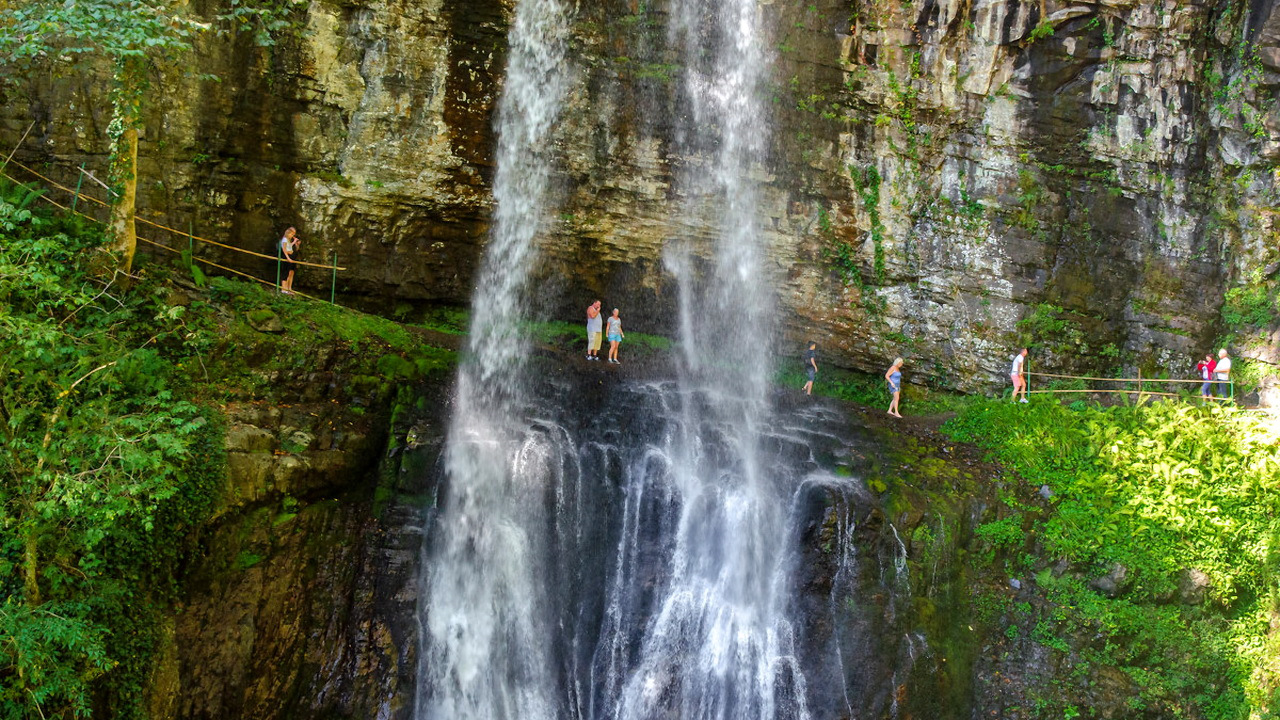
[(448, 320), (566, 334), (237, 357), (866, 389)]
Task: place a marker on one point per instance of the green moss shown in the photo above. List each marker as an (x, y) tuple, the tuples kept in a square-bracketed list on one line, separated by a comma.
[(245, 560), (259, 316)]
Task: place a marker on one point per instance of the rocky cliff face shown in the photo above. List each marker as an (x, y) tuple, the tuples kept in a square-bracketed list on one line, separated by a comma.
[(946, 176)]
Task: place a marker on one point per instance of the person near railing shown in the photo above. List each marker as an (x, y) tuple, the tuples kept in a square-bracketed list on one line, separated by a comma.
[(1222, 373), (288, 246), (1016, 374), (1205, 370)]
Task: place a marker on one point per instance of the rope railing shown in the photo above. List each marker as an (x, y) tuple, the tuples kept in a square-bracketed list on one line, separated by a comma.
[(139, 218), (170, 249), (1141, 382)]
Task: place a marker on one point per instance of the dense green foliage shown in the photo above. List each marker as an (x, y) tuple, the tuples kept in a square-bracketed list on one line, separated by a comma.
[(112, 444), (106, 462), (1163, 490)]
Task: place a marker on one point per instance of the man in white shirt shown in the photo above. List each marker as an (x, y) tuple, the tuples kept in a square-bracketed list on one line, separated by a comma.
[(1016, 375), (595, 324), (1222, 373)]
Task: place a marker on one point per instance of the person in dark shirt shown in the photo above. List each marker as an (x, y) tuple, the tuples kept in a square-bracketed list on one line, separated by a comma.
[(810, 366)]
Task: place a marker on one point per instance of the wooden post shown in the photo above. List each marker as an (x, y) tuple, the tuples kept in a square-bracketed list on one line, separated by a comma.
[(333, 287), (75, 199), (279, 261)]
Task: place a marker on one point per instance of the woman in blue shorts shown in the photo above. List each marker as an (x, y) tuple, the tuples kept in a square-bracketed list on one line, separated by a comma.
[(615, 336), (894, 376)]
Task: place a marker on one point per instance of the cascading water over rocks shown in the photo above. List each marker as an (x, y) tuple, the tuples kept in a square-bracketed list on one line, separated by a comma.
[(638, 565)]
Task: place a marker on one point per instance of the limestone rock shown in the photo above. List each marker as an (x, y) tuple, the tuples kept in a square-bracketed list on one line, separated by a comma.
[(1113, 583), (1192, 586), (1079, 174)]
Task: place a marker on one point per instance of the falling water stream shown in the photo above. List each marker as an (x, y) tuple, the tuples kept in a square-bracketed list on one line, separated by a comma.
[(637, 564), (484, 653)]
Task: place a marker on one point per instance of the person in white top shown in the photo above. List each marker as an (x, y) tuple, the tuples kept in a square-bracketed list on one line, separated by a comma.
[(1222, 373), (1016, 375), (288, 246)]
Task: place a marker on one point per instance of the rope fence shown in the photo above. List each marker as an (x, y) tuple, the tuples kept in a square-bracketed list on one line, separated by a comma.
[(77, 195), (1141, 382)]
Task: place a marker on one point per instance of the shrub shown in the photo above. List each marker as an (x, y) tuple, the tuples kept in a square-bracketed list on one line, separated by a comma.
[(1160, 488)]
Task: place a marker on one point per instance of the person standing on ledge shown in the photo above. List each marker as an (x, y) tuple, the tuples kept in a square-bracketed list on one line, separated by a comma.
[(288, 246), (1205, 370), (594, 330), (1222, 373), (1016, 375), (810, 366), (894, 376), (615, 336)]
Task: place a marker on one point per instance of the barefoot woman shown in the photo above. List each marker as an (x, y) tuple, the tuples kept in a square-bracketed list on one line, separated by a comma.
[(894, 376)]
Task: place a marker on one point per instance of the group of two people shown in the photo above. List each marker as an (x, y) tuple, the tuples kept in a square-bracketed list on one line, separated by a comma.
[(893, 376), (1213, 372), (595, 325)]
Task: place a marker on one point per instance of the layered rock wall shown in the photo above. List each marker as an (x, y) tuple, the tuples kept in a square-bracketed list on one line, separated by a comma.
[(947, 178)]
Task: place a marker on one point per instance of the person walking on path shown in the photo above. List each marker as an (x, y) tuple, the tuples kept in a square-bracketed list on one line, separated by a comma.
[(288, 246), (615, 336), (810, 366), (1016, 375), (894, 376), (1222, 373), (595, 328), (1205, 370)]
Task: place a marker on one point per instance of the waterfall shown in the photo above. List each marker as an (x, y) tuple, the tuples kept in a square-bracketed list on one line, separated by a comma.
[(483, 628), (721, 644), (637, 564)]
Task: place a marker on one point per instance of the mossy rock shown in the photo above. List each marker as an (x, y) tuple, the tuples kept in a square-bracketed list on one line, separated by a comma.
[(264, 320), (394, 366)]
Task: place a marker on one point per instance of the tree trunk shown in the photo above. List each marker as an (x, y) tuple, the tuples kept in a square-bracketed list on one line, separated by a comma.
[(123, 229), (31, 566)]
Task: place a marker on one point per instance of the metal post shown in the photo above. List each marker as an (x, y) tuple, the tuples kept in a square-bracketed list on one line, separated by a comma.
[(333, 287), (79, 180), (191, 240), (278, 264)]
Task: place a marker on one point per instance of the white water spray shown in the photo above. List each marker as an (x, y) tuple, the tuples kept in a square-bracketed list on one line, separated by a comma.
[(721, 643), (483, 623)]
